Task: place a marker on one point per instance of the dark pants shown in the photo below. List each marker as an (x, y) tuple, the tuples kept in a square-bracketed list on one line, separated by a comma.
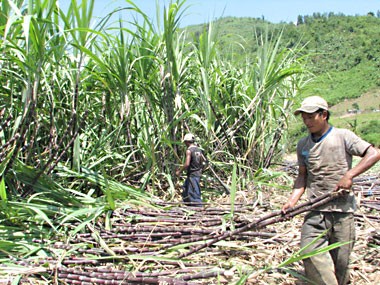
[(331, 267), (191, 194)]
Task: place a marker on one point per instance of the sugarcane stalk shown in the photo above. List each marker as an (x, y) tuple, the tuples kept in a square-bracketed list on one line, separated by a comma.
[(4, 123), (71, 142), (226, 188), (204, 275), (109, 277), (4, 147)]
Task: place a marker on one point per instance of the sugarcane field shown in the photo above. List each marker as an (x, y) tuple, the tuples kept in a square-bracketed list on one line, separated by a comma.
[(139, 151)]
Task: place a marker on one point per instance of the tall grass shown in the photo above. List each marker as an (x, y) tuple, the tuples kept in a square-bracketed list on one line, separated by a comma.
[(98, 110), (144, 85)]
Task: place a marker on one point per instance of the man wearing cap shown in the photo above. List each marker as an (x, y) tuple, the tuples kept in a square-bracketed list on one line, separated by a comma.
[(193, 164), (325, 165)]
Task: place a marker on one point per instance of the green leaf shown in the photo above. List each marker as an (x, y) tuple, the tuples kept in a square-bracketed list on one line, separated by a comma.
[(3, 190)]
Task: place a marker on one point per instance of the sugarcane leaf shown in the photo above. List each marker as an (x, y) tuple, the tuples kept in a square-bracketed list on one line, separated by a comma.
[(16, 279), (78, 214), (41, 215), (95, 234), (3, 190)]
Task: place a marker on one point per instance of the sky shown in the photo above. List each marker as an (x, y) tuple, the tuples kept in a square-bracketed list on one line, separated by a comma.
[(275, 11)]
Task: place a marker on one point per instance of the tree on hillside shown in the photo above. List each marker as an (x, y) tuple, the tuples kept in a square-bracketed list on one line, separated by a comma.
[(299, 20)]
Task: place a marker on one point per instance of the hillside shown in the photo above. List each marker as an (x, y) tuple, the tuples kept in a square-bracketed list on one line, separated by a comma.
[(342, 53)]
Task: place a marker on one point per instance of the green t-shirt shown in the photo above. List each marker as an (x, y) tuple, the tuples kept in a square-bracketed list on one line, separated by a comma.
[(327, 161)]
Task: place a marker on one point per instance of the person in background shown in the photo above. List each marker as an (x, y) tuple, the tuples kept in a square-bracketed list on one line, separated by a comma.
[(325, 165), (193, 165)]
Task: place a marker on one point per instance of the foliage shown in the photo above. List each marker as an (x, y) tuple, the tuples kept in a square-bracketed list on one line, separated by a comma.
[(370, 132), (343, 51), (118, 100), (342, 54)]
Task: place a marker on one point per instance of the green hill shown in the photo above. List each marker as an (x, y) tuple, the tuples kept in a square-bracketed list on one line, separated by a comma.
[(342, 52)]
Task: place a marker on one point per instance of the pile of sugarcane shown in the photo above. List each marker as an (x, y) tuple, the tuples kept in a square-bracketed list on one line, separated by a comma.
[(153, 240), (369, 189), (171, 243)]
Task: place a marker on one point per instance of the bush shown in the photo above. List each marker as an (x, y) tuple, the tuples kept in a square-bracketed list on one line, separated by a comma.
[(370, 132)]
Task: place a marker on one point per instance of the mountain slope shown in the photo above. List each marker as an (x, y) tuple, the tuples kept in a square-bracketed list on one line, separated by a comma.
[(343, 54)]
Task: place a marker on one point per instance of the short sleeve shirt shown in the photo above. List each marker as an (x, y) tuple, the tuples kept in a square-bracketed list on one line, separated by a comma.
[(327, 161)]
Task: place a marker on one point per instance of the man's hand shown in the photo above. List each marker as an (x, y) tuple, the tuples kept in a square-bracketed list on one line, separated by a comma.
[(293, 199), (178, 172), (344, 183), (287, 206)]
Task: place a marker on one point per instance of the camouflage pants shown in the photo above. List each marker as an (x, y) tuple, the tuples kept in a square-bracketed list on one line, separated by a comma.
[(331, 267)]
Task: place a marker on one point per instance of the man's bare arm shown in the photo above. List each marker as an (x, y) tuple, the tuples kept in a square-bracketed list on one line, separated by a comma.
[(372, 155), (298, 189)]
